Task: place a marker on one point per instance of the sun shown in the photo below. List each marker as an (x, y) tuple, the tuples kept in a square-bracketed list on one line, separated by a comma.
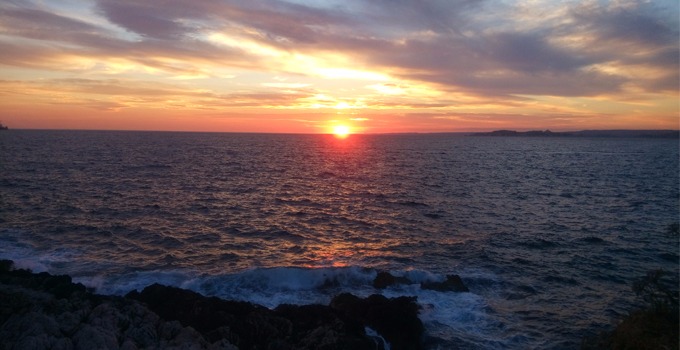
[(341, 131)]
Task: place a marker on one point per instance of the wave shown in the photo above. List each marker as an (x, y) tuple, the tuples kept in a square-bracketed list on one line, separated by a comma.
[(448, 316)]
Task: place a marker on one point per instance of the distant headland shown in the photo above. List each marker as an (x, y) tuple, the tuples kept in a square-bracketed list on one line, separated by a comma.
[(3, 127), (585, 133)]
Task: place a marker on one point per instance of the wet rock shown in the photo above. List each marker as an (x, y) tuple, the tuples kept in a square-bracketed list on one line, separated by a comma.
[(31, 330), (212, 317), (453, 283), (222, 344), (91, 337), (641, 329), (70, 314), (385, 279), (396, 319), (60, 286), (250, 326), (321, 327), (41, 311), (45, 311), (6, 265)]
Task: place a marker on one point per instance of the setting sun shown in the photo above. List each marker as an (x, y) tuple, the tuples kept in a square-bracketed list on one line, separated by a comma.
[(341, 131)]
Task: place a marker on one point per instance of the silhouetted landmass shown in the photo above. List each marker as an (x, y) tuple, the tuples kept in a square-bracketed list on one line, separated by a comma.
[(585, 133)]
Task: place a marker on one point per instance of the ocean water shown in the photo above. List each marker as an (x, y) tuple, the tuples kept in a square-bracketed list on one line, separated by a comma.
[(548, 233)]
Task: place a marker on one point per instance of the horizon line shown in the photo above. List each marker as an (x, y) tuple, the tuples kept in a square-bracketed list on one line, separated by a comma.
[(353, 133)]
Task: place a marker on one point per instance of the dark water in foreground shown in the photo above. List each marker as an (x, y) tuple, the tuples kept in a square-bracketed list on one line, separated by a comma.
[(548, 233)]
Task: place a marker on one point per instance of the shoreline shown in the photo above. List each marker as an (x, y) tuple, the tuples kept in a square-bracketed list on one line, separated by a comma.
[(657, 134), (40, 310), (45, 311)]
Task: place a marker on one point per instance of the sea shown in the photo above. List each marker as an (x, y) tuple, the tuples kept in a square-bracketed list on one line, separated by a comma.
[(547, 233)]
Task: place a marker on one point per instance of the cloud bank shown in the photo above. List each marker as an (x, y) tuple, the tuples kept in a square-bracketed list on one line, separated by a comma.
[(443, 55)]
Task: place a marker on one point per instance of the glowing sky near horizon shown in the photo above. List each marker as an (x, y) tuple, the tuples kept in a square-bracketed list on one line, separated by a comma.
[(307, 66)]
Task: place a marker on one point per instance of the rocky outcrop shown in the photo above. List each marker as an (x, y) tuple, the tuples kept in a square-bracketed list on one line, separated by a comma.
[(250, 326), (385, 279), (453, 283), (396, 319), (642, 329), (42, 311), (654, 326)]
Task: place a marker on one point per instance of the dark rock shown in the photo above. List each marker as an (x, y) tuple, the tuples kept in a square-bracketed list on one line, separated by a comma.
[(208, 316), (321, 327), (90, 337), (41, 311), (250, 326), (45, 311), (59, 285), (396, 319), (453, 283), (386, 279), (642, 329), (6, 265)]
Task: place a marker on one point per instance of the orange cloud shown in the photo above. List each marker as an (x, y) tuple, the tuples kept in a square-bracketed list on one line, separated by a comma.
[(433, 66)]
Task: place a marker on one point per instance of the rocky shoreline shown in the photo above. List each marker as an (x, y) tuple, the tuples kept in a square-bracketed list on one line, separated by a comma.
[(44, 311)]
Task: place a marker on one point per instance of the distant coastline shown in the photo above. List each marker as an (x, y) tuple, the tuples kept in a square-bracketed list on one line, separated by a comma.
[(667, 134)]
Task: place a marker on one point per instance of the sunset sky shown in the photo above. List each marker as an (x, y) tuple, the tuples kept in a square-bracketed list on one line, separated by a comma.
[(307, 66)]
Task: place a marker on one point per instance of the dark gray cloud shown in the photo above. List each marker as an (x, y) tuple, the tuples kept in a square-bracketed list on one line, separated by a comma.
[(637, 25), (56, 36), (531, 53), (144, 18), (39, 24), (547, 83), (474, 46), (390, 17), (172, 19), (509, 61)]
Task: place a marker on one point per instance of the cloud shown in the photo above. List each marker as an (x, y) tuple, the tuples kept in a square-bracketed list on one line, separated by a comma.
[(171, 19), (115, 94), (437, 54), (55, 37), (442, 42), (147, 19), (39, 24), (282, 85), (530, 53), (641, 24)]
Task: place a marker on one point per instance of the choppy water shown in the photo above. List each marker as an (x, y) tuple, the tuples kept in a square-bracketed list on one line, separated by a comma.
[(548, 233)]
